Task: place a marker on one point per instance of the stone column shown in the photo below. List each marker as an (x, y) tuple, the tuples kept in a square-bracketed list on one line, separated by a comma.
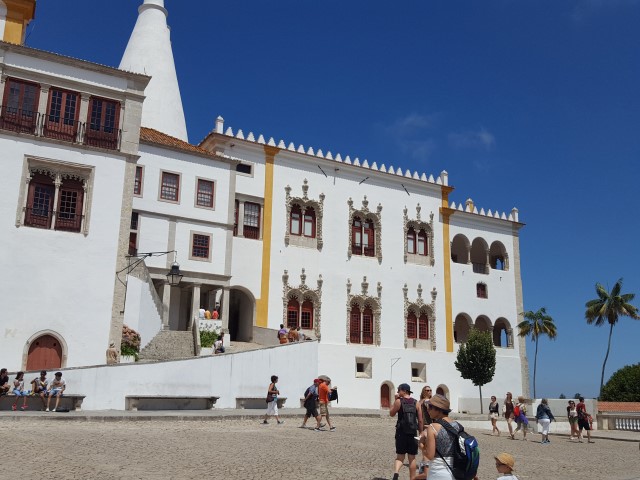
[(166, 304), (241, 219), (195, 304), (43, 101), (224, 314), (509, 337), (83, 116), (3, 80)]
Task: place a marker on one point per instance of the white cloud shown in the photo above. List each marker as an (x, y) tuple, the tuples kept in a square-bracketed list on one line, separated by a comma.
[(481, 139), (418, 149), (411, 124)]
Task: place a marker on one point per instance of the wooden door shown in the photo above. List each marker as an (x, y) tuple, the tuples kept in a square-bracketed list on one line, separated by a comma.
[(45, 353), (384, 396)]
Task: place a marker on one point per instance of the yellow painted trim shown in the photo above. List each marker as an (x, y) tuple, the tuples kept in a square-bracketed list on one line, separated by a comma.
[(19, 14), (13, 31), (446, 213), (262, 304)]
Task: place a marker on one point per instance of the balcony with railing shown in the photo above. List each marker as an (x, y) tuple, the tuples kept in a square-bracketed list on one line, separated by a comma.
[(64, 129), (39, 217)]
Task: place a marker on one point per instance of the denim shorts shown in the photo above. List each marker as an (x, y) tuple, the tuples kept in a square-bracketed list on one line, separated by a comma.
[(56, 392)]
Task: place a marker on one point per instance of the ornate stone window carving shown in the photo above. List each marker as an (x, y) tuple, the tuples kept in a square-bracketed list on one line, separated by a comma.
[(417, 310), (304, 219), (365, 230), (418, 239), (55, 195), (302, 295), (363, 315)]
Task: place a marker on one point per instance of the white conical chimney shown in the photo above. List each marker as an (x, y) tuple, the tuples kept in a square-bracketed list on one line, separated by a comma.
[(149, 52)]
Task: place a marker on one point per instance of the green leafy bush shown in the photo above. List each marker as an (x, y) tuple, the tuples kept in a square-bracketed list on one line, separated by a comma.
[(130, 345), (623, 386), (207, 338)]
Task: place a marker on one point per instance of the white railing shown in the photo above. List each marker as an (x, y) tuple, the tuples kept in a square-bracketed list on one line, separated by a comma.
[(619, 421)]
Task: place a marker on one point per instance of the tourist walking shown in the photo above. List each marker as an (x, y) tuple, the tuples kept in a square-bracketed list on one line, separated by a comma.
[(311, 405), (439, 444), (505, 464), (19, 391), (406, 428), (572, 415), (508, 408), (272, 401), (544, 418), (423, 412), (520, 415), (324, 399), (494, 413), (583, 420)]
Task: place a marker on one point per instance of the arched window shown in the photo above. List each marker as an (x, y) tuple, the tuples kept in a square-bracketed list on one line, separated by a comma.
[(411, 243), (355, 325), (423, 327), (412, 325), (479, 250), (309, 223), (498, 256), (296, 220), (356, 234), (368, 238), (367, 326), (293, 310), (460, 249), (306, 315), (422, 243)]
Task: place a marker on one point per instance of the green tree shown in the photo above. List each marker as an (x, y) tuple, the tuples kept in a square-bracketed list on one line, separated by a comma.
[(608, 308), (536, 324), (623, 386), (563, 396), (576, 396), (476, 360)]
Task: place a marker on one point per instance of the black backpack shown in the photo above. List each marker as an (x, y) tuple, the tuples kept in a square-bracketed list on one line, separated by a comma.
[(466, 453), (408, 421)]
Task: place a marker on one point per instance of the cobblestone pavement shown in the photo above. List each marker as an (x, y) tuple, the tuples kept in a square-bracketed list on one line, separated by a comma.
[(360, 448)]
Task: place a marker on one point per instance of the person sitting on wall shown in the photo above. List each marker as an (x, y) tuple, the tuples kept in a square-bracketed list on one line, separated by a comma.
[(39, 387), (207, 315), (215, 314), (56, 389), (218, 345), (292, 335), (4, 382), (282, 334)]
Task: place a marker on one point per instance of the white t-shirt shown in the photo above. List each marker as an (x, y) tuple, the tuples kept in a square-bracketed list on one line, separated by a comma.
[(508, 477)]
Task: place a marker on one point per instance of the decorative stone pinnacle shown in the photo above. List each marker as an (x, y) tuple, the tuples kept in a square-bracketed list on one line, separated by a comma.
[(379, 289), (285, 277), (320, 281), (405, 291), (434, 294), (419, 290), (348, 286), (365, 285), (365, 203), (303, 277), (305, 189), (418, 208)]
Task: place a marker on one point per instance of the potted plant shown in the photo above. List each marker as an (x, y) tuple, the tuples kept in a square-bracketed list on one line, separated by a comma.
[(130, 345)]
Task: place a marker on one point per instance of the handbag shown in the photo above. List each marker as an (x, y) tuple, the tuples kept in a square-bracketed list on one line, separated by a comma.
[(269, 397)]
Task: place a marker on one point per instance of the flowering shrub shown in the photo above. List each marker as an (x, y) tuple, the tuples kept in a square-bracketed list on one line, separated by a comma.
[(207, 338), (130, 345)]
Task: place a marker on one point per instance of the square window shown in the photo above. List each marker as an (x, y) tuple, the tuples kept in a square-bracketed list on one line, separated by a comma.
[(418, 372), (204, 194), (170, 187), (363, 367), (200, 247)]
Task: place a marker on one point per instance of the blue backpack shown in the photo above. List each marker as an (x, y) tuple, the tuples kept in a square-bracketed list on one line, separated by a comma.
[(466, 453)]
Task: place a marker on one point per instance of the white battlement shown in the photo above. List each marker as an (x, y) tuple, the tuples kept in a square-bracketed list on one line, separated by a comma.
[(442, 179), (469, 207)]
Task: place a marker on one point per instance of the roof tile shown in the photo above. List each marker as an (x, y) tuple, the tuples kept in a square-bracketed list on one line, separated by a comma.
[(619, 406), (150, 135)]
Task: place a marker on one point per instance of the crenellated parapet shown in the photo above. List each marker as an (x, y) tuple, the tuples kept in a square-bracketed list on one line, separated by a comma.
[(470, 207)]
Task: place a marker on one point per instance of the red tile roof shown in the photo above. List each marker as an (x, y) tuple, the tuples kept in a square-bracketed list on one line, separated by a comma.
[(619, 406), (149, 135)]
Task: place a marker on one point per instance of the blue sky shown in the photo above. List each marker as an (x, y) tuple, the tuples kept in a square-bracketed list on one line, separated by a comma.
[(529, 103)]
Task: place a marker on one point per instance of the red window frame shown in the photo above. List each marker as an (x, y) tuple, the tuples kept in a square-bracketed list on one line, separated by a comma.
[(306, 315), (69, 208), (423, 327), (133, 243), (355, 325), (412, 325), (309, 219), (103, 123), (205, 198), (422, 247), (368, 229), (411, 240), (356, 236), (481, 290), (367, 326), (61, 119), (137, 182), (14, 116), (296, 215), (293, 309), (39, 211), (200, 246), (252, 229), (169, 191)]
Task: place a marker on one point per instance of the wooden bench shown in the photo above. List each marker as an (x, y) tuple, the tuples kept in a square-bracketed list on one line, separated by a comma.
[(69, 401), (169, 402), (257, 402)]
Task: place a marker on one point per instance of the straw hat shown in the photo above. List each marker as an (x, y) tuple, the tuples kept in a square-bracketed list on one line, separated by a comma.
[(506, 459), (440, 401)]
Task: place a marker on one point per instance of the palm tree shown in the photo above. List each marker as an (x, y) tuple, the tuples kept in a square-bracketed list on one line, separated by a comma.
[(608, 307), (536, 324)]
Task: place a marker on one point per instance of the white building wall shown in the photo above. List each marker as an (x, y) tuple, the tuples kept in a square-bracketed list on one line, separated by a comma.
[(60, 281), (141, 312)]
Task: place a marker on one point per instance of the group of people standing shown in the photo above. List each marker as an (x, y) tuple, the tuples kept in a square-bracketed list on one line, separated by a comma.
[(294, 334), (40, 386)]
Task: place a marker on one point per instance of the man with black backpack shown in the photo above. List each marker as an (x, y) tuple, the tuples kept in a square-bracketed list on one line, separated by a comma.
[(406, 429), (311, 405)]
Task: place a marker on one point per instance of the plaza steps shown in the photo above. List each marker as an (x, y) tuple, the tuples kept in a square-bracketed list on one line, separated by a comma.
[(169, 345)]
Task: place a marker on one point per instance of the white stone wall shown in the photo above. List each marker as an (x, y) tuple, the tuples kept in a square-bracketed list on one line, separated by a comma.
[(141, 312)]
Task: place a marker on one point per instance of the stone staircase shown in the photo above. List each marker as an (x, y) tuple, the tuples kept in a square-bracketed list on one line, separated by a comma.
[(169, 345)]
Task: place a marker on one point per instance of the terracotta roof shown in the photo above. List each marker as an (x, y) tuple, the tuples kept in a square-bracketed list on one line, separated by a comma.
[(150, 135), (619, 406)]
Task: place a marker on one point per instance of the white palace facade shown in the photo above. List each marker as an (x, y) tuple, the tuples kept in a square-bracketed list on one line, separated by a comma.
[(377, 264)]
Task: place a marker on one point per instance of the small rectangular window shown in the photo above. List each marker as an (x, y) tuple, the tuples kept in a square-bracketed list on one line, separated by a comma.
[(170, 188), (200, 246), (363, 367), (102, 129), (360, 367), (137, 184), (204, 197), (243, 168), (251, 224)]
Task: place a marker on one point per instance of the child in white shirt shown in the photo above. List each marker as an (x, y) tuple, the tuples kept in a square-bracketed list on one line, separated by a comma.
[(505, 464)]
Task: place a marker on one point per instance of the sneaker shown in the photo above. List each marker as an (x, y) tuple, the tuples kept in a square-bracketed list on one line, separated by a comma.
[(264, 422), (14, 408), (24, 407), (46, 410), (591, 441), (53, 410), (396, 476), (318, 430), (332, 429), (280, 422), (302, 426), (322, 425)]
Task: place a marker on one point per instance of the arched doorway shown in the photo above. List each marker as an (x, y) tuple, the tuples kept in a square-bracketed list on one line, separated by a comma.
[(241, 308), (385, 395), (45, 353)]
